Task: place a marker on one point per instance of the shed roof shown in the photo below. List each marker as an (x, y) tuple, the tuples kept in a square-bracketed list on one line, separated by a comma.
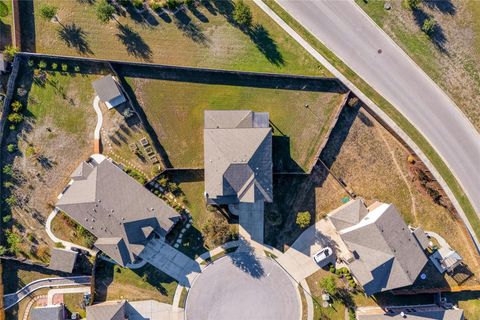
[(106, 88), (63, 260), (110, 310), (47, 313), (115, 208)]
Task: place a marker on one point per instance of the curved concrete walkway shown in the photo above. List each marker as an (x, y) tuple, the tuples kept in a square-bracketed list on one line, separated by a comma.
[(66, 244), (11, 299), (98, 127)]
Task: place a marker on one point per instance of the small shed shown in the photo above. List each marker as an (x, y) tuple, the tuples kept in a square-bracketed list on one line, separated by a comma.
[(63, 260), (108, 90), (55, 312)]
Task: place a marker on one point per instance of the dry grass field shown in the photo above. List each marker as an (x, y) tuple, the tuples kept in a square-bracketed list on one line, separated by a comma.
[(451, 56), (203, 36)]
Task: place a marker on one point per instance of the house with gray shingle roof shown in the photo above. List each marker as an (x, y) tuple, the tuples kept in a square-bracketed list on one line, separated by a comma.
[(238, 157), (414, 313), (385, 253), (119, 211)]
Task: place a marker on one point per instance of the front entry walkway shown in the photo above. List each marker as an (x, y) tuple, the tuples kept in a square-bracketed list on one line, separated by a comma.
[(171, 261), (250, 217)]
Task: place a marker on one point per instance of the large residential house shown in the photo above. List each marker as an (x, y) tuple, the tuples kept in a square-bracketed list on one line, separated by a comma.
[(385, 254), (119, 211), (238, 157)]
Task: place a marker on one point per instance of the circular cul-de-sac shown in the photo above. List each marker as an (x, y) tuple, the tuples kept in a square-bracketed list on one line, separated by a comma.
[(243, 286)]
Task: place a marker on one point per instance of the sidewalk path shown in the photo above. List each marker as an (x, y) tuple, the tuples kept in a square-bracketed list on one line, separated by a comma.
[(66, 244), (98, 127), (53, 292), (9, 300)]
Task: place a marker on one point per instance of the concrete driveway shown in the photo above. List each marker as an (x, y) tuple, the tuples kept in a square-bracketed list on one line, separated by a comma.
[(171, 261), (243, 286), (298, 259), (353, 37), (251, 221)]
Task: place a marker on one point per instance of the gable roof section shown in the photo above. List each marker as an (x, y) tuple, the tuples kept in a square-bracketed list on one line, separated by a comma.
[(106, 88), (387, 254), (62, 260), (112, 205), (349, 214), (437, 314), (47, 313), (238, 160), (110, 310)]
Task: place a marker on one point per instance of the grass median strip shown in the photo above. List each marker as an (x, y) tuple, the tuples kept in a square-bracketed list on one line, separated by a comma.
[(390, 110)]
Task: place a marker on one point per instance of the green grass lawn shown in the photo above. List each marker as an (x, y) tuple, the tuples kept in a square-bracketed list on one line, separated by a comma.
[(114, 283), (203, 36), (468, 301), (17, 275), (175, 111), (6, 26), (74, 303)]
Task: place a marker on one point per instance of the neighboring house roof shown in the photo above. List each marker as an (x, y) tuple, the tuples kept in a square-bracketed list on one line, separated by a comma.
[(47, 313), (387, 256), (421, 237), (63, 260), (417, 315), (118, 210), (107, 89), (238, 157), (349, 214), (110, 310)]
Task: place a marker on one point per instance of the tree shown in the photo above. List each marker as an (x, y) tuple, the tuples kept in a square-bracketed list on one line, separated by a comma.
[(16, 106), (329, 285), (9, 52), (104, 11), (11, 200), (412, 4), (242, 15), (3, 250), (429, 26), (13, 240), (15, 117), (11, 148), (48, 12), (216, 232), (3, 9), (8, 170), (7, 218), (303, 219)]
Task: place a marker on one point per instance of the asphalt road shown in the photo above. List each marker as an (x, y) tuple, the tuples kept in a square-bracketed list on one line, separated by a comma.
[(243, 286), (347, 31)]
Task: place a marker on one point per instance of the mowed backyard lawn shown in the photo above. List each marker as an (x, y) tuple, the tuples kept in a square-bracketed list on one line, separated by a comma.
[(203, 36), (176, 112)]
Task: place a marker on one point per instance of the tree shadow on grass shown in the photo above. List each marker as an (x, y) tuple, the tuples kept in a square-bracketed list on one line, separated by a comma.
[(75, 37), (437, 36), (197, 13), (134, 43), (189, 28), (444, 6), (265, 44)]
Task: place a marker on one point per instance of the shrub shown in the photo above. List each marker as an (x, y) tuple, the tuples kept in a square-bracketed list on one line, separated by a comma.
[(30, 237), (137, 175), (242, 15), (8, 184), (429, 26), (303, 219), (137, 4), (11, 148), (412, 4), (329, 285), (3, 250), (76, 68), (59, 245), (11, 200), (172, 4), (15, 118), (64, 67), (332, 268), (30, 63), (3, 9), (42, 64), (13, 240), (163, 182), (173, 187), (16, 106), (30, 151), (8, 169), (54, 66), (48, 12), (12, 127), (104, 11), (7, 218), (156, 4), (9, 52)]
